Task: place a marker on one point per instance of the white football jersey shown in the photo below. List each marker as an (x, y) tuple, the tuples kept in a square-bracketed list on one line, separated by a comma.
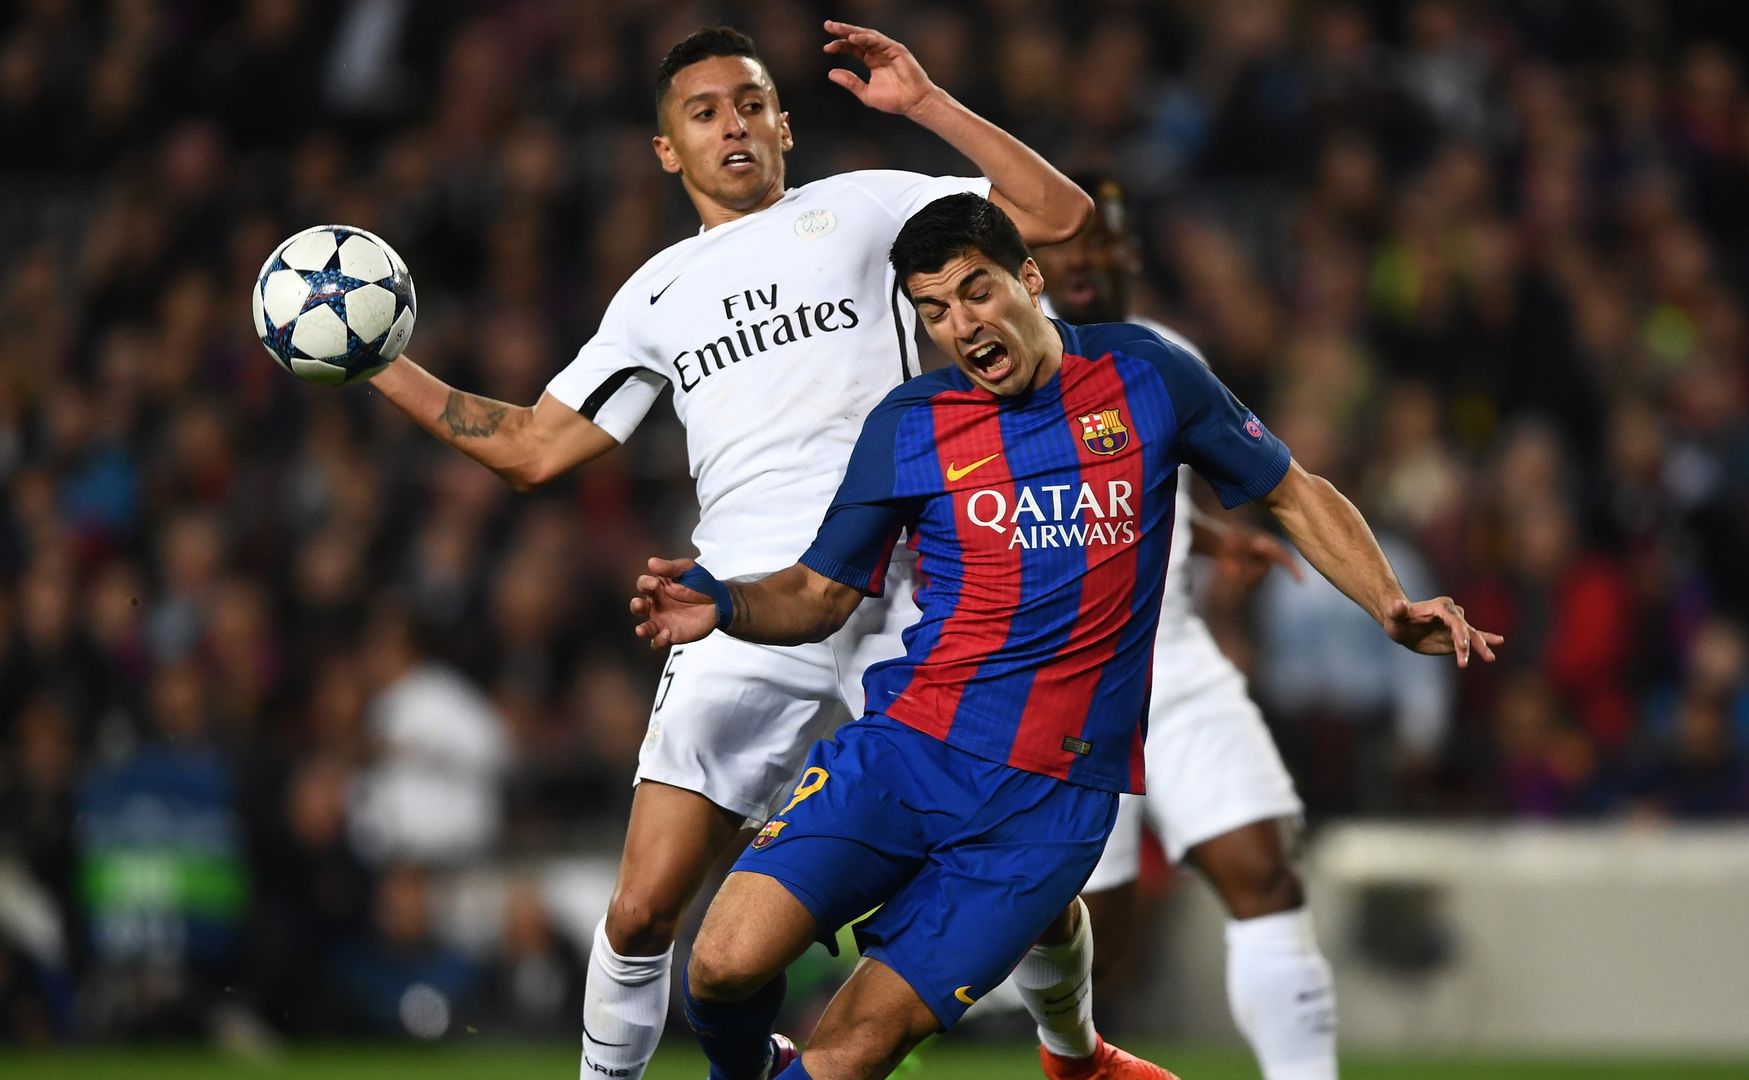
[(779, 332)]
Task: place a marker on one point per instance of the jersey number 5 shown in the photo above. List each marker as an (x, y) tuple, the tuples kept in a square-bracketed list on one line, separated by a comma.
[(667, 678)]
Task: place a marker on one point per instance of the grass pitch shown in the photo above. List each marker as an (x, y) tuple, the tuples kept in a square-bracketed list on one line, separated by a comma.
[(963, 1060)]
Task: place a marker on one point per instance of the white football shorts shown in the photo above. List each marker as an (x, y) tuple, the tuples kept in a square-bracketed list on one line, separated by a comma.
[(734, 721), (1211, 765)]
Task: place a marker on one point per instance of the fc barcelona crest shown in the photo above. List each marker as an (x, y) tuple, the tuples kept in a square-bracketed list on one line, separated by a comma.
[(1103, 431), (769, 833)]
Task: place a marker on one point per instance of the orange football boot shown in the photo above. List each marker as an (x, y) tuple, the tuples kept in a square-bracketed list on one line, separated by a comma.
[(1107, 1063)]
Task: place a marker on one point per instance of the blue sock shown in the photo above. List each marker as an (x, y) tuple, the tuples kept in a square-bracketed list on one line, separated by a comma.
[(794, 1072), (735, 1035)]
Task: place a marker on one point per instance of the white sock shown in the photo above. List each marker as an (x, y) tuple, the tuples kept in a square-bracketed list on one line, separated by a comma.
[(1056, 983), (625, 1006), (1282, 995)]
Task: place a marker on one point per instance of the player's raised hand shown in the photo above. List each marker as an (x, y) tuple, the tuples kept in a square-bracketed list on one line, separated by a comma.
[(669, 613), (896, 82), (1437, 628)]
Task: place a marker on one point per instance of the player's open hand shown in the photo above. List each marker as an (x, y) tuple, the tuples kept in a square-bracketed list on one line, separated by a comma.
[(1246, 555), (896, 82), (668, 612), (1437, 628)]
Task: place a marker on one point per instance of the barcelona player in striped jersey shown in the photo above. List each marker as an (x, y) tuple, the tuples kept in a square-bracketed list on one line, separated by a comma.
[(1035, 479)]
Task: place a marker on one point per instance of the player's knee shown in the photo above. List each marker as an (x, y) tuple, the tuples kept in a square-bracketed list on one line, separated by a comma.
[(1268, 888), (639, 924), (722, 971)]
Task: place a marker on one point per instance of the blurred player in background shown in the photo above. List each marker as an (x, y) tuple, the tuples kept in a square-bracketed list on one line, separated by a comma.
[(1035, 478), (779, 326), (1218, 795)]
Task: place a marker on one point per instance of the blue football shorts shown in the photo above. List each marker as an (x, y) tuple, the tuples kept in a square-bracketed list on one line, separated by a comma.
[(966, 860)]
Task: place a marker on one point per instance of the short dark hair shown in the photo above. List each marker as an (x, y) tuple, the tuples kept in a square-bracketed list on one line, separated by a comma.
[(701, 44), (1107, 192), (952, 226), (1101, 186)]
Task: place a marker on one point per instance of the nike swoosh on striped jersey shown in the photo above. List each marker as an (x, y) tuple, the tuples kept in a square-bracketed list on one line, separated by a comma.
[(955, 473)]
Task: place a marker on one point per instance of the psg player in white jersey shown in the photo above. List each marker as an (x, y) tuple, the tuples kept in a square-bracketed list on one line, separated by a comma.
[(1218, 795), (779, 326)]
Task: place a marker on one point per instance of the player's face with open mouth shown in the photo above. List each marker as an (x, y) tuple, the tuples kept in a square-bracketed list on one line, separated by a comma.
[(723, 132), (1087, 274), (989, 321)]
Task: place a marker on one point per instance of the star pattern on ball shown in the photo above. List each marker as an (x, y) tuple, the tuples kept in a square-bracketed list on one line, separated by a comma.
[(334, 304)]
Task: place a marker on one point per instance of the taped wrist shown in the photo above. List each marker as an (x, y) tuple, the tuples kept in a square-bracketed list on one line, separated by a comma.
[(698, 579)]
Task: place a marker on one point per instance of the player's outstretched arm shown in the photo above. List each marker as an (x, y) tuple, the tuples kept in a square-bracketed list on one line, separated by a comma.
[(1335, 539), (527, 445), (1046, 206), (679, 601)]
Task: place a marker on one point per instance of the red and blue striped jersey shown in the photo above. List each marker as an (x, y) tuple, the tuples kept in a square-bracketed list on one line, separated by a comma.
[(1041, 524)]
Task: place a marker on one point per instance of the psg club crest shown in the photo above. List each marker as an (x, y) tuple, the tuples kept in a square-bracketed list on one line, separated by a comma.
[(1103, 431), (1252, 427), (816, 223)]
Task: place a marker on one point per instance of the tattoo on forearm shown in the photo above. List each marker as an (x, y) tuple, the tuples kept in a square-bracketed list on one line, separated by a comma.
[(743, 607), (468, 416)]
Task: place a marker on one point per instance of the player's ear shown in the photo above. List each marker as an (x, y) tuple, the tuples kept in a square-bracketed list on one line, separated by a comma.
[(788, 139), (1032, 279), (665, 153)]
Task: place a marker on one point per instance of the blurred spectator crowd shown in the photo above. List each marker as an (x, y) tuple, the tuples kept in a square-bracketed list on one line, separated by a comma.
[(277, 671)]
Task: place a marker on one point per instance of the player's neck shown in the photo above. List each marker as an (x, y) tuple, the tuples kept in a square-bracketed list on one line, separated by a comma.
[(1051, 364), (1104, 313), (712, 213)]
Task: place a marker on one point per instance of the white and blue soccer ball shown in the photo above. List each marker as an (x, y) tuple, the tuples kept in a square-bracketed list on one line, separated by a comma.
[(334, 304)]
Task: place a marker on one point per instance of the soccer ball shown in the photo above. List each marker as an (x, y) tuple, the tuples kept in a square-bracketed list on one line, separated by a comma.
[(334, 305)]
